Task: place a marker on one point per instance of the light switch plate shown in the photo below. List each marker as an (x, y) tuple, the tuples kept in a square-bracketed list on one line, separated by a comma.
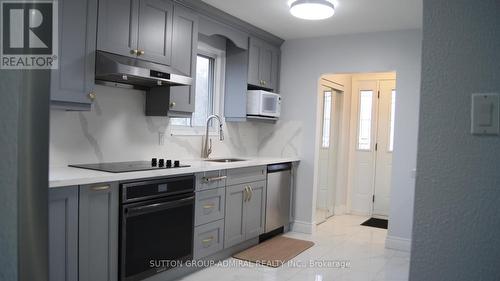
[(485, 114)]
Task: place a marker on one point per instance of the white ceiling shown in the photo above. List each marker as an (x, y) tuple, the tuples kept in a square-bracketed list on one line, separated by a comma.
[(351, 16)]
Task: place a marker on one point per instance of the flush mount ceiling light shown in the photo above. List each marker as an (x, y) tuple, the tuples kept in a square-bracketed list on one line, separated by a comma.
[(312, 9)]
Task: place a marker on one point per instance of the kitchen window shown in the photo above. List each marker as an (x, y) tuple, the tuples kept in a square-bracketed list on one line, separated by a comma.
[(209, 92)]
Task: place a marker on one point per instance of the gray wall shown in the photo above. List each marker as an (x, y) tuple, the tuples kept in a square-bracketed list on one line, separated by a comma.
[(303, 62), (9, 82), (457, 197)]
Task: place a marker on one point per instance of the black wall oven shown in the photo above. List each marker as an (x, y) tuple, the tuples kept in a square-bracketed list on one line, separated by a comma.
[(156, 226)]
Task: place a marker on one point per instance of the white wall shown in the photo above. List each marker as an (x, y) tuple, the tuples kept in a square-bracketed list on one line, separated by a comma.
[(303, 62), (457, 197), (117, 130)]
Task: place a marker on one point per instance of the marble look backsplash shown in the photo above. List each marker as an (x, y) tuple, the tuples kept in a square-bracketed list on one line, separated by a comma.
[(117, 130)]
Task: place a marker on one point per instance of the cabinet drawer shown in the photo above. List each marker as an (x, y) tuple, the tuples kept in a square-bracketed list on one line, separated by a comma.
[(208, 239), (211, 179), (243, 175), (209, 205)]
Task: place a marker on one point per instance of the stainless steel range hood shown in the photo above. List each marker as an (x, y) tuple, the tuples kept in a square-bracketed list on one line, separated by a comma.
[(116, 70)]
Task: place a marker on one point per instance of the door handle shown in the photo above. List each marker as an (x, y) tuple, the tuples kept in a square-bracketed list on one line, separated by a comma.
[(99, 188), (207, 180)]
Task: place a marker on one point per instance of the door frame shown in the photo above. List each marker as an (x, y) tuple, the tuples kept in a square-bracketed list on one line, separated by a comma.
[(354, 130)]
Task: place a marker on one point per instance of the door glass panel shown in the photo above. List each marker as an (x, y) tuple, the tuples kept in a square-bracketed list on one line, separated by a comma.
[(393, 111), (365, 119), (327, 110)]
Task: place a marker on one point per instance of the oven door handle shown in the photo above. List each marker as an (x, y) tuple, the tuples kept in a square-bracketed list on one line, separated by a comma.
[(140, 210)]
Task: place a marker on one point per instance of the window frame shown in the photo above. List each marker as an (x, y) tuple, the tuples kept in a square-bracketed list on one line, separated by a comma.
[(219, 71)]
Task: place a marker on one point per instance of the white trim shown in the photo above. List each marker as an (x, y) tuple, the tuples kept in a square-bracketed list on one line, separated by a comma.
[(303, 227), (339, 210), (398, 243), (219, 57)]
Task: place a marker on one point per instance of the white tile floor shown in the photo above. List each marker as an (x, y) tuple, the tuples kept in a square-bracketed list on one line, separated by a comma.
[(341, 238)]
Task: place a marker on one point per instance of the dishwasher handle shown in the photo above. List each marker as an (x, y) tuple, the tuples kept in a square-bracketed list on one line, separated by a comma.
[(274, 168)]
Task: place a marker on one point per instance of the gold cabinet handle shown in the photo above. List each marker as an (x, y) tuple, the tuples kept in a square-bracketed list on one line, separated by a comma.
[(172, 104), (209, 206), (134, 52), (92, 96), (140, 52), (245, 194), (207, 180), (250, 189), (264, 82), (208, 240), (100, 188)]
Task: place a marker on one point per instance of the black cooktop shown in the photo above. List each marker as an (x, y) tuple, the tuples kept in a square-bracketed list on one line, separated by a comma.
[(122, 167)]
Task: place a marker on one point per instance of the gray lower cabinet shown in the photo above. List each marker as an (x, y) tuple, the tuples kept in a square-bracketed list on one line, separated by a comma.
[(136, 28), (245, 212), (98, 232), (208, 239), (184, 52), (209, 206), (72, 84), (63, 234), (263, 64), (247, 174), (255, 219)]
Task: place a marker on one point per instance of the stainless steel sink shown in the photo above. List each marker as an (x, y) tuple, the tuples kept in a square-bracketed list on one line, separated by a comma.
[(225, 160)]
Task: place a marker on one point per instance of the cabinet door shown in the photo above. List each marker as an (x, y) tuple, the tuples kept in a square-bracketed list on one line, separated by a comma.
[(72, 83), (155, 31), (265, 66), (63, 234), (184, 51), (98, 245), (254, 49), (117, 26), (255, 210), (234, 230), (275, 71)]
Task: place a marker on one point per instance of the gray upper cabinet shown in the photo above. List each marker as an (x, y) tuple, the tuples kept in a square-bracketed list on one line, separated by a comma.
[(63, 234), (72, 85), (263, 64), (118, 26), (136, 28), (245, 212), (98, 232), (155, 31), (184, 51)]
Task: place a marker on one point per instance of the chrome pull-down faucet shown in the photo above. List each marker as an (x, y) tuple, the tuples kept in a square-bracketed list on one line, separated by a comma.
[(207, 148)]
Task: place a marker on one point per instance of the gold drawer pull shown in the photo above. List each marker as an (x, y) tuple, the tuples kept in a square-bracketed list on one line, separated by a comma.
[(209, 206), (99, 188), (207, 180), (208, 240)]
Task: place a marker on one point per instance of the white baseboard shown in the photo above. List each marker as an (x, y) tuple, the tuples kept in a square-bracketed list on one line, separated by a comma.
[(303, 227), (398, 243), (339, 210)]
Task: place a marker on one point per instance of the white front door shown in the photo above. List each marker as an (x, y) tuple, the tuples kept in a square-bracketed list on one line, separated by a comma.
[(373, 116), (384, 147), (364, 100)]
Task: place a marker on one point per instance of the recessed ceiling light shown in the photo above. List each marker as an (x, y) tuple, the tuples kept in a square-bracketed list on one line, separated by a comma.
[(312, 9)]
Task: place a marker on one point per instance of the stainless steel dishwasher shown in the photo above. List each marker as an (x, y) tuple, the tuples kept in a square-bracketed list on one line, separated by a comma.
[(278, 195)]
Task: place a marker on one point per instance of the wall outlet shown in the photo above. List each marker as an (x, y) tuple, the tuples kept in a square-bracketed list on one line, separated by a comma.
[(161, 138)]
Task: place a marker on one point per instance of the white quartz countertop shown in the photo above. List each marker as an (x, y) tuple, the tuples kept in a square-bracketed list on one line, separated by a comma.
[(68, 176)]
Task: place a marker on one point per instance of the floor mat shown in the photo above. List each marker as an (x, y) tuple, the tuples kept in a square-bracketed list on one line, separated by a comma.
[(374, 222), (274, 252)]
